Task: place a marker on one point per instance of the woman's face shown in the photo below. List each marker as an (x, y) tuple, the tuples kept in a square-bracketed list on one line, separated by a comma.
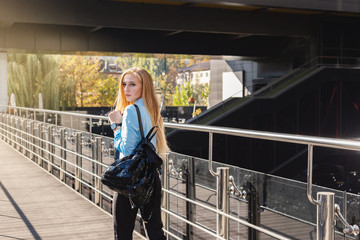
[(132, 87)]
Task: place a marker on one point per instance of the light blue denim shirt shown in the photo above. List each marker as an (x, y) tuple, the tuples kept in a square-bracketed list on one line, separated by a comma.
[(128, 136)]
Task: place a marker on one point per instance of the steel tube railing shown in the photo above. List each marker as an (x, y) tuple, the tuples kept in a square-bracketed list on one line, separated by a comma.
[(309, 175), (98, 170), (279, 137), (64, 160), (67, 173), (223, 202), (78, 172), (165, 198), (41, 143), (51, 147), (193, 224), (68, 151), (325, 216), (289, 138), (62, 154), (265, 231), (211, 155)]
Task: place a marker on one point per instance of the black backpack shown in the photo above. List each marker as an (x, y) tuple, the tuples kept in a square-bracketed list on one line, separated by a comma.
[(134, 176)]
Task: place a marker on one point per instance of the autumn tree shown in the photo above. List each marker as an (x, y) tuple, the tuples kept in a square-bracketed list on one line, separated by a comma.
[(105, 90), (83, 84)]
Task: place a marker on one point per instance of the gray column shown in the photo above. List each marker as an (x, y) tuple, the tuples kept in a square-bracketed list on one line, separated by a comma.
[(3, 80)]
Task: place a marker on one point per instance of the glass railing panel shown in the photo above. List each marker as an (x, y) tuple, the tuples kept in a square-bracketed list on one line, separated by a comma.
[(202, 190), (176, 205), (282, 203), (351, 211)]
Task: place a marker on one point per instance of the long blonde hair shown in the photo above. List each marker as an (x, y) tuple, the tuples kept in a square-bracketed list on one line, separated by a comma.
[(150, 101)]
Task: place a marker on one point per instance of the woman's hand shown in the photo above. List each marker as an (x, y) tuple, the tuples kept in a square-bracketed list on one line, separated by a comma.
[(115, 116)]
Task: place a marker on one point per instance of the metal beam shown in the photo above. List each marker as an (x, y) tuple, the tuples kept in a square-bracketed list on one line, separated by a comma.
[(59, 39), (128, 15)]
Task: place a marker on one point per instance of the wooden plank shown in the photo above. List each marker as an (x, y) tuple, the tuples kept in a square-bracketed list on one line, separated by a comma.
[(35, 205)]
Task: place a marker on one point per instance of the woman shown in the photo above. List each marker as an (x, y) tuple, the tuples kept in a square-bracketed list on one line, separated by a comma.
[(136, 87)]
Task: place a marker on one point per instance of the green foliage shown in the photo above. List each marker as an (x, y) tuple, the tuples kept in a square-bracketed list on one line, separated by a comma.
[(183, 94), (82, 84), (31, 74), (205, 93), (70, 81), (106, 89)]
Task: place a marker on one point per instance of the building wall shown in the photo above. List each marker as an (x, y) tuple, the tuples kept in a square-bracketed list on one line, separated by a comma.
[(200, 77), (218, 67)]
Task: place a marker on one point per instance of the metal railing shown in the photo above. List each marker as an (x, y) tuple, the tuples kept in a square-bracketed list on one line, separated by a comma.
[(42, 136)]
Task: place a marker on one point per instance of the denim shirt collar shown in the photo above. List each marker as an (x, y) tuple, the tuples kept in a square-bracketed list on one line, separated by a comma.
[(139, 101)]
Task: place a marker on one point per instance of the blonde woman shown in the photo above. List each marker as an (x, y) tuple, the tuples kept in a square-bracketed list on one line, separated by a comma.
[(136, 87)]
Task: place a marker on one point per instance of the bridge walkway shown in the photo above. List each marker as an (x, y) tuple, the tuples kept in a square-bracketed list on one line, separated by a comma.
[(35, 205)]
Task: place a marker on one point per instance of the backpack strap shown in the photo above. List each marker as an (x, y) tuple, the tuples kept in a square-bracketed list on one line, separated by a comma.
[(139, 119), (151, 134)]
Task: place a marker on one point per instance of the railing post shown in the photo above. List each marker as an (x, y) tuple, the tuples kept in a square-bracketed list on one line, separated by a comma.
[(325, 227), (41, 144), (24, 136), (93, 156), (51, 148), (190, 193), (7, 129), (78, 172), (12, 137), (18, 139), (223, 201), (1, 125), (253, 211), (31, 132), (98, 185), (165, 199), (2, 121), (63, 155)]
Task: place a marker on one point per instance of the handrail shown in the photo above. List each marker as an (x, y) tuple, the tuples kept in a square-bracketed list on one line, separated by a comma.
[(310, 141), (56, 112), (279, 137), (309, 176)]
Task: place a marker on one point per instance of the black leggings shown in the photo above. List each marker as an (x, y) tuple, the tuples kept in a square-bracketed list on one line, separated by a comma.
[(124, 216)]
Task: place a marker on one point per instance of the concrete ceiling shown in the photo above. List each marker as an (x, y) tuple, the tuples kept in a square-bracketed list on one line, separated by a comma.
[(197, 27)]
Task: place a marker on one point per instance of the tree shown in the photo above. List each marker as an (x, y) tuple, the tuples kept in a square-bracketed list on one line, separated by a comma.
[(105, 90), (183, 94), (31, 74), (82, 83)]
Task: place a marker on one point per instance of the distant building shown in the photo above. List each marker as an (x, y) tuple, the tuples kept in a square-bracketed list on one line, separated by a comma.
[(110, 68), (195, 74)]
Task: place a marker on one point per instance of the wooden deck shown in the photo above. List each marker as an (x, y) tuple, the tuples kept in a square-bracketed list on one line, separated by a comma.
[(35, 205)]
